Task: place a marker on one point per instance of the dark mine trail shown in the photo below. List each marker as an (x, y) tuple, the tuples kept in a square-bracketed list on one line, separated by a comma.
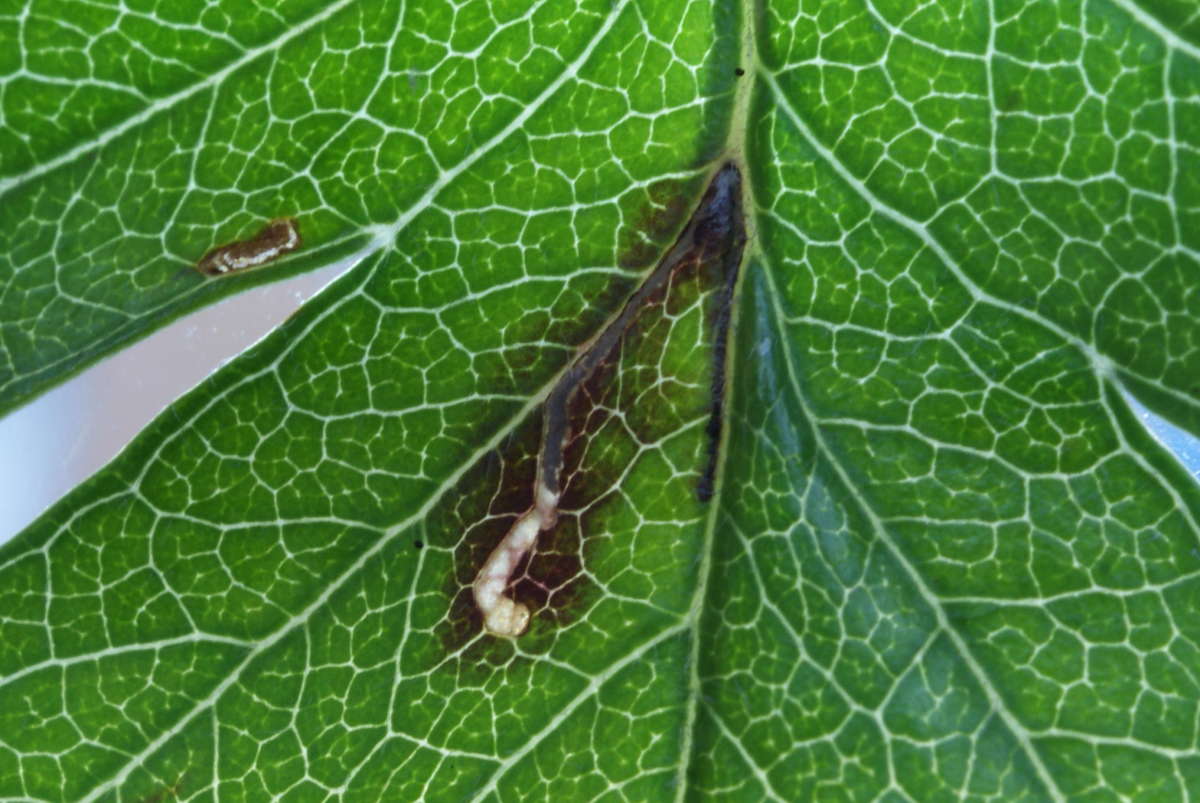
[(713, 241)]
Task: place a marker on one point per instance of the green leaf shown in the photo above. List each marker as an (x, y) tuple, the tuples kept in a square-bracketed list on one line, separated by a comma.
[(943, 560)]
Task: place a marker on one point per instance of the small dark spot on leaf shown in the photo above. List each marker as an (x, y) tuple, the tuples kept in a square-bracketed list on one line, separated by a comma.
[(739, 72), (419, 544)]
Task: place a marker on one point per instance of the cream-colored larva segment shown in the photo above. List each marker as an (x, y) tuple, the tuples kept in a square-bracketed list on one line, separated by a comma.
[(503, 616)]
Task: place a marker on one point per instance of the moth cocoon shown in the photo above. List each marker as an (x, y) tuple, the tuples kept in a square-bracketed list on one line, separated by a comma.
[(280, 236)]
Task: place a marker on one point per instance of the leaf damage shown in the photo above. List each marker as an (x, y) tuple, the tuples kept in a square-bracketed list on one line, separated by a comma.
[(709, 249)]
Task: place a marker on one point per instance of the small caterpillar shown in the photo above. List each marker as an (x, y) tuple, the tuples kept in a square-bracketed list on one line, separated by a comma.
[(280, 236)]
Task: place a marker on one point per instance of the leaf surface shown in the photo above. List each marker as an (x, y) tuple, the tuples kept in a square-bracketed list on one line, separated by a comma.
[(943, 560)]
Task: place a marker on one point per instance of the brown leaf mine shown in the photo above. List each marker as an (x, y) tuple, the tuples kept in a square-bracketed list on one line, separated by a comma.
[(714, 237), (280, 236)]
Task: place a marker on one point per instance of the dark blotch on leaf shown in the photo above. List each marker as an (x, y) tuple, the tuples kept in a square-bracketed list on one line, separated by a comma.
[(499, 489), (550, 581)]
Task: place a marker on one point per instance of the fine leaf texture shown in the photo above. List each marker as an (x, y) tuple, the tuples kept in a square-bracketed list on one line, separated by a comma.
[(943, 560)]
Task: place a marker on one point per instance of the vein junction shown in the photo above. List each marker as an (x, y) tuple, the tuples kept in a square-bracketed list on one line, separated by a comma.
[(715, 231)]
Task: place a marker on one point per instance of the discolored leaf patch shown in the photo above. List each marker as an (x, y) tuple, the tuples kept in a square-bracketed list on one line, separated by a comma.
[(638, 392)]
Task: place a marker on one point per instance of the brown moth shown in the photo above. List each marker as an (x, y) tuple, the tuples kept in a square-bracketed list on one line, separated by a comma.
[(278, 237)]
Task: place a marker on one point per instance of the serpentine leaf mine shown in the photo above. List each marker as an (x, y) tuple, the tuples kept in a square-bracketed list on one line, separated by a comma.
[(714, 237), (278, 237)]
